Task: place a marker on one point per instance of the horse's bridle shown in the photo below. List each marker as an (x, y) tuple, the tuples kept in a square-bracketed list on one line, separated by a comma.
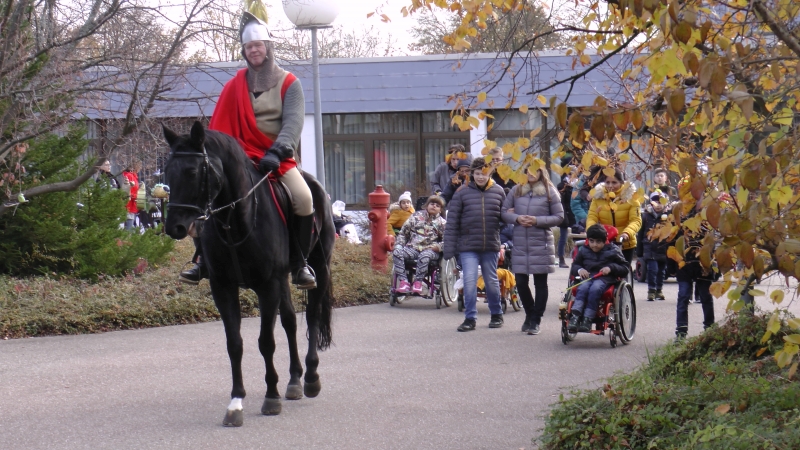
[(206, 168)]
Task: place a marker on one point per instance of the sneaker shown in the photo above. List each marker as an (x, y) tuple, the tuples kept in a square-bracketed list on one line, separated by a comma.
[(572, 326), (417, 288), (534, 330), (562, 264), (680, 337), (526, 325), (651, 295), (496, 321), (586, 325), (660, 295), (468, 325), (403, 287)]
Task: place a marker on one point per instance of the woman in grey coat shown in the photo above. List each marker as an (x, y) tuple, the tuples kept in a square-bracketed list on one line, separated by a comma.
[(533, 208)]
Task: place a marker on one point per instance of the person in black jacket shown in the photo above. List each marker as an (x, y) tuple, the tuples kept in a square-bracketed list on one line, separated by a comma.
[(650, 247), (565, 190), (473, 232), (601, 259)]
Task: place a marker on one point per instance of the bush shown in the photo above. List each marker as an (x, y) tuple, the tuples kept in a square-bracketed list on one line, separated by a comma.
[(48, 305), (719, 390), (52, 234)]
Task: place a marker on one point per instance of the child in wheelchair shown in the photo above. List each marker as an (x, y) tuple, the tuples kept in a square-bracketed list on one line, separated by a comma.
[(601, 263), (419, 240)]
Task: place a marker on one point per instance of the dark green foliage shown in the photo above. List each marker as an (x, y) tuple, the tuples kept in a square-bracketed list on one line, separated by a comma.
[(52, 234), (713, 392)]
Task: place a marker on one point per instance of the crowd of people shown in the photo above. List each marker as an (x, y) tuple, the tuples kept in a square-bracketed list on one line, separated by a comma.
[(477, 208)]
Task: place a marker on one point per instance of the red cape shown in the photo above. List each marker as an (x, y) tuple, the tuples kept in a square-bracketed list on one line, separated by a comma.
[(234, 116)]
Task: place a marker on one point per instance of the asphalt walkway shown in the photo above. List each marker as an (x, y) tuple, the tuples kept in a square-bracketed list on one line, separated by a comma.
[(397, 378)]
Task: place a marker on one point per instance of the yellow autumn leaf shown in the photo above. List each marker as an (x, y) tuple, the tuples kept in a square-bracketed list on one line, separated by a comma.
[(722, 409), (776, 296), (541, 99), (481, 97), (523, 109)]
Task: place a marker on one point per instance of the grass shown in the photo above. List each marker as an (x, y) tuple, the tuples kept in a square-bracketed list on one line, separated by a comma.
[(716, 391), (42, 306)]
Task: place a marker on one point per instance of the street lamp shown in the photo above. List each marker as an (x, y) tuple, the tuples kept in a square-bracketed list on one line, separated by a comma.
[(312, 15)]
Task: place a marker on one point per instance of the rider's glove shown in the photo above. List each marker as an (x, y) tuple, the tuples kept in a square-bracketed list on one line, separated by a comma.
[(282, 150), (269, 163)]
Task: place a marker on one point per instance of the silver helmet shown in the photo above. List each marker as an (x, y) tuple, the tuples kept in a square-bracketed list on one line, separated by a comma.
[(251, 28)]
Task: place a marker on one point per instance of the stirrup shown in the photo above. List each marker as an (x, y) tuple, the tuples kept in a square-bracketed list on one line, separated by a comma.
[(307, 284)]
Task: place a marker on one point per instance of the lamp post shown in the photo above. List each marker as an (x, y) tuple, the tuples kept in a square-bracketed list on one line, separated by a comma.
[(313, 15)]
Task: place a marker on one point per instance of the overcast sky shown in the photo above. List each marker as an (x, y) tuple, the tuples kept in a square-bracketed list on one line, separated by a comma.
[(354, 15)]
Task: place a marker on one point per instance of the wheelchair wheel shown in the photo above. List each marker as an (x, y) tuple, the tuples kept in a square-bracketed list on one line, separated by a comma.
[(460, 300), (503, 304), (515, 303), (437, 297), (448, 277), (624, 313), (392, 299)]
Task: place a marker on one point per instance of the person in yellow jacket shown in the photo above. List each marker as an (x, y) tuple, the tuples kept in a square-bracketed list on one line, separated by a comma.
[(613, 203), (398, 213)]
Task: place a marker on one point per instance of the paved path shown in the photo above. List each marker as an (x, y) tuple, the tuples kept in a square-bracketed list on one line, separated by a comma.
[(398, 378)]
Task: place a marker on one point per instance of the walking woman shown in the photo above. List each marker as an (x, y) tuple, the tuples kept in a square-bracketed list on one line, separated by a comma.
[(613, 204), (533, 208)]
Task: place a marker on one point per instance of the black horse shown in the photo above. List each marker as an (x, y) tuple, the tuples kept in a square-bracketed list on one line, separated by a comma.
[(248, 244)]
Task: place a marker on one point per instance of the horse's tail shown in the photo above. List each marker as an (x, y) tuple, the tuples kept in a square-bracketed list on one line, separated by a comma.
[(324, 309), (321, 299)]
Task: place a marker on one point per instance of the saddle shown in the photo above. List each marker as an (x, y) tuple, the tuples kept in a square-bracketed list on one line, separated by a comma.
[(282, 197)]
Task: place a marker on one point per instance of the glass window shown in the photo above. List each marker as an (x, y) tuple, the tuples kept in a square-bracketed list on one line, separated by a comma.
[(395, 165), (515, 120), (438, 122), (388, 123), (345, 171)]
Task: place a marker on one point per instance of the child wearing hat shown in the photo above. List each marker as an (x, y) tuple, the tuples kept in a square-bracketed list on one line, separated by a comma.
[(398, 213), (651, 249), (419, 240)]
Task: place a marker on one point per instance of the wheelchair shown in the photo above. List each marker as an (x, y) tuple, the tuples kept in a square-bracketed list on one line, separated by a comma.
[(432, 284), (508, 295), (616, 313)]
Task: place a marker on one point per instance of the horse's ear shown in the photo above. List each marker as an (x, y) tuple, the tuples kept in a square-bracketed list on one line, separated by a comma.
[(198, 134), (169, 135)]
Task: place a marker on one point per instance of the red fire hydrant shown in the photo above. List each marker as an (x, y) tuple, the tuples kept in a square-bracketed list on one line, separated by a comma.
[(381, 241)]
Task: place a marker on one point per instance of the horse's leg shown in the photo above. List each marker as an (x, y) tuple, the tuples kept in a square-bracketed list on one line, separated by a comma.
[(294, 391), (226, 297), (269, 304)]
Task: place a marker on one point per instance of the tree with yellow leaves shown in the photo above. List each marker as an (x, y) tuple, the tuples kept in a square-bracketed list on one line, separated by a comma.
[(716, 81)]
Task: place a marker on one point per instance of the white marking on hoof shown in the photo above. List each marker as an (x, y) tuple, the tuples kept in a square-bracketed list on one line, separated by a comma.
[(236, 404)]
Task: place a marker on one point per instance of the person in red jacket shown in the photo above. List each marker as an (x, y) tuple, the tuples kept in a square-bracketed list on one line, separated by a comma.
[(264, 109), (131, 175)]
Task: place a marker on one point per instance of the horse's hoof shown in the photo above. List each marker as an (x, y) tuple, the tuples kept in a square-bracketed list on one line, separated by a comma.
[(294, 392), (233, 418), (312, 389), (271, 406)]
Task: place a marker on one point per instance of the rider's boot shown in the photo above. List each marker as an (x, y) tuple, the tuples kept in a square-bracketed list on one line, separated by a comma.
[(199, 270), (195, 273), (302, 238)]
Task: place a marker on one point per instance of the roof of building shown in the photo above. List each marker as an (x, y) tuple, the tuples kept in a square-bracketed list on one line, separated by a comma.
[(393, 84)]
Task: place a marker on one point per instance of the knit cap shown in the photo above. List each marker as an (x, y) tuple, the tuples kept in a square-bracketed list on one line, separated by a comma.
[(406, 196)]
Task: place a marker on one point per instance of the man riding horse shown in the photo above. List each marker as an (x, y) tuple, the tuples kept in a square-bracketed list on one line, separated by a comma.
[(263, 108)]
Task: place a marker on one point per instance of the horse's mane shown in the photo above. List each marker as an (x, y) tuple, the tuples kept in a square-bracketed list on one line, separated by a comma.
[(227, 146)]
